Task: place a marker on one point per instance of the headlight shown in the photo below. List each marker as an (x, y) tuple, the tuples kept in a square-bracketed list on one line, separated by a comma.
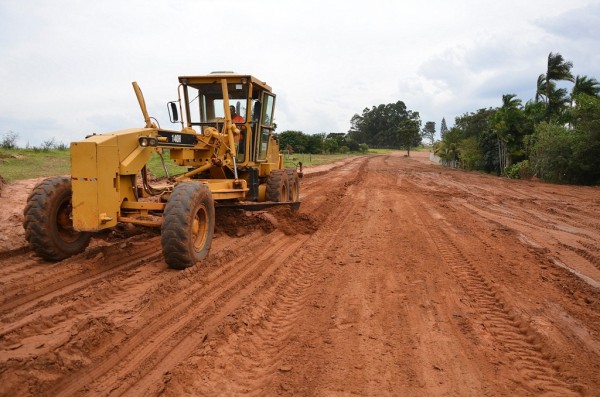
[(147, 141)]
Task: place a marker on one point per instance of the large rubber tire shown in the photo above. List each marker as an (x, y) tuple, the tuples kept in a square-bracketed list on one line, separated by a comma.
[(48, 221), (294, 184), (188, 225), (277, 186)]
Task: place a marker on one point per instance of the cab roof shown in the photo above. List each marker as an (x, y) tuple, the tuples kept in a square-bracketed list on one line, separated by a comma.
[(231, 77)]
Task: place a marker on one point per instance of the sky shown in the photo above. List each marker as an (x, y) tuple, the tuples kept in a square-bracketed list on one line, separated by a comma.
[(66, 66)]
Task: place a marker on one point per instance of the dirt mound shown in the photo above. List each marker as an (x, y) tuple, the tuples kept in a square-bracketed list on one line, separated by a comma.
[(293, 222), (238, 223)]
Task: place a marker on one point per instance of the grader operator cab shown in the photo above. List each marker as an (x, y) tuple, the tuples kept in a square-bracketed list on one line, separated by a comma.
[(230, 162)]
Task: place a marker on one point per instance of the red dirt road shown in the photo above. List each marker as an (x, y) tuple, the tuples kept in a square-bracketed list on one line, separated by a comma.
[(397, 277)]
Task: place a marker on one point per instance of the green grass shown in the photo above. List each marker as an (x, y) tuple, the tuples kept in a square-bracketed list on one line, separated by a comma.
[(156, 168), (318, 159), (16, 164)]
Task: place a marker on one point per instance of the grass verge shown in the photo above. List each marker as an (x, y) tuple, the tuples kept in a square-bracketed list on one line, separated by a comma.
[(18, 164)]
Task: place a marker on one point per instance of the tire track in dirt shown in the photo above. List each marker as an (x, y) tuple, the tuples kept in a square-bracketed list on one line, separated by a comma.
[(182, 311), (259, 347), (69, 313), (262, 324), (154, 363), (114, 286), (588, 256), (69, 280), (525, 349), (315, 190), (67, 306)]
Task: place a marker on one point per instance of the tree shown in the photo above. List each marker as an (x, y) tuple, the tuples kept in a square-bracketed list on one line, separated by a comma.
[(339, 137), (448, 147), (552, 152), (408, 133), (314, 143), (429, 131), (330, 145), (443, 127), (474, 123), (585, 85), (470, 153), (295, 139), (558, 69), (555, 98), (507, 123), (586, 143), (477, 125), (384, 126)]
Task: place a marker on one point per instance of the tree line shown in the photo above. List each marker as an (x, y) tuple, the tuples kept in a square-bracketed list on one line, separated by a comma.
[(554, 136), (384, 126)]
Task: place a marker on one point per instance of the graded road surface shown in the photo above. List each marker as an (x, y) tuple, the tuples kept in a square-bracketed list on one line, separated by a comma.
[(397, 277)]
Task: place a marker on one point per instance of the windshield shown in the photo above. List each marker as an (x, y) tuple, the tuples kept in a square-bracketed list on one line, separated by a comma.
[(206, 104)]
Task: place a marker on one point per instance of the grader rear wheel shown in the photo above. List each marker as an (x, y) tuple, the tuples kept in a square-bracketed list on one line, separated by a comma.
[(188, 225), (277, 186), (48, 223)]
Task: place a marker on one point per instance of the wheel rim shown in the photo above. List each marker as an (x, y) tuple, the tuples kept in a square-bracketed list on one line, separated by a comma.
[(200, 228), (64, 223), (294, 192), (283, 196)]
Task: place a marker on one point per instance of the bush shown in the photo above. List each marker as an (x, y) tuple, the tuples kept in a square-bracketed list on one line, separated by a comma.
[(519, 170), (363, 148), (62, 146), (9, 140), (48, 144), (552, 153)]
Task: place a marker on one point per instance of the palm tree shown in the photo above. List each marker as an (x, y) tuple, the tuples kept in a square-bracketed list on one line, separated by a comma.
[(586, 85), (583, 86), (507, 124), (540, 92), (557, 70)]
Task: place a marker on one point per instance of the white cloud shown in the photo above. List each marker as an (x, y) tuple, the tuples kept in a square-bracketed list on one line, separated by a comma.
[(68, 65)]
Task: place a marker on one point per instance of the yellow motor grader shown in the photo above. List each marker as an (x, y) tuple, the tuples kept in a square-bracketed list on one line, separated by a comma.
[(231, 161)]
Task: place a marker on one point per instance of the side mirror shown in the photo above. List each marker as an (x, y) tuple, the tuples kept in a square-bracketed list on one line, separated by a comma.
[(173, 114)]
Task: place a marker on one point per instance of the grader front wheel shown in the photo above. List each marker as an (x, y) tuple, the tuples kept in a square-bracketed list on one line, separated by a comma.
[(48, 224), (188, 225)]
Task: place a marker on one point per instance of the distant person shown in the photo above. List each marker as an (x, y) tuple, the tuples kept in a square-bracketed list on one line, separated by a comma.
[(236, 118)]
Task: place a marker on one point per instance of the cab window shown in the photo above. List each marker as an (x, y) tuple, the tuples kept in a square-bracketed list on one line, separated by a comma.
[(266, 124)]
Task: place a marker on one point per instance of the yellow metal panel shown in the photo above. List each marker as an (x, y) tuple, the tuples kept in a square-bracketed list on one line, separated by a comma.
[(135, 161), (94, 170), (146, 205), (85, 186), (181, 154), (109, 200)]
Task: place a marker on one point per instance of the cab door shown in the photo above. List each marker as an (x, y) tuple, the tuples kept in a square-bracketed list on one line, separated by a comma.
[(266, 125)]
